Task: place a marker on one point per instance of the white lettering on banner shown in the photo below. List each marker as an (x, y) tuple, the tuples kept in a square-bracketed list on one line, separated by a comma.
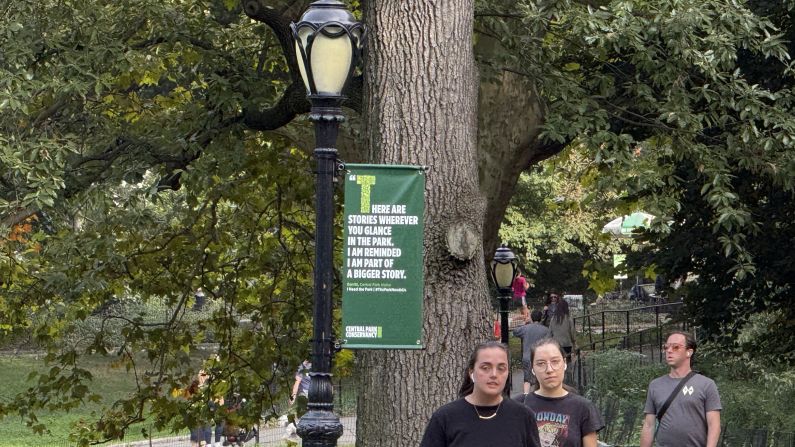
[(363, 331), (371, 252), (398, 220), (367, 219)]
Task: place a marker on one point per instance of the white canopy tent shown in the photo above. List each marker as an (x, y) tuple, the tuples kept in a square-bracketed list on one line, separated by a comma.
[(624, 225)]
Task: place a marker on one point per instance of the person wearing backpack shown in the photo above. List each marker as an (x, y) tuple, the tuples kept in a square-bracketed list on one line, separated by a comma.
[(682, 407)]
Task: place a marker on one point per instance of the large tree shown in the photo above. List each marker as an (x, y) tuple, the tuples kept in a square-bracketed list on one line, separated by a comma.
[(158, 145), (427, 116)]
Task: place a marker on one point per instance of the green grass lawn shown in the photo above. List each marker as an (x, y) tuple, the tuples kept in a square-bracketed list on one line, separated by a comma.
[(110, 383)]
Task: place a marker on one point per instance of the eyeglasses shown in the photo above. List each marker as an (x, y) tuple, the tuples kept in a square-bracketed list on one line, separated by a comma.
[(555, 364), (674, 347)]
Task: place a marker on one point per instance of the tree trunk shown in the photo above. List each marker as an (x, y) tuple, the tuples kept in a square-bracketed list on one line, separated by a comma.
[(421, 108)]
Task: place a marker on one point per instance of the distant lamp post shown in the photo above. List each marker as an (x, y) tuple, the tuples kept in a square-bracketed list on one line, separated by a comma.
[(328, 42), (503, 270)]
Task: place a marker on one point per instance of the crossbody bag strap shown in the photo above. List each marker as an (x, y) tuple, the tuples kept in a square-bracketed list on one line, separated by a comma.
[(677, 389), (674, 393)]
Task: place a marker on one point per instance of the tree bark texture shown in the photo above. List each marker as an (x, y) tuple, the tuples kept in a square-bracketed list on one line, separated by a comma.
[(509, 122), (421, 108)]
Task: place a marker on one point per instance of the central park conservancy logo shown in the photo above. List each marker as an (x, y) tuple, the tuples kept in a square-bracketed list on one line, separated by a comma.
[(363, 331)]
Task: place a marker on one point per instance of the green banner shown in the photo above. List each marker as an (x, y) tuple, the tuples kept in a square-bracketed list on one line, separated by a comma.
[(382, 271)]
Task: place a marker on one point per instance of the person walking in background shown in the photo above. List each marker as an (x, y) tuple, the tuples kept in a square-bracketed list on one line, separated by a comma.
[(200, 435), (683, 405), (199, 300), (550, 305), (520, 286), (564, 418), (300, 388), (562, 327), (530, 333), (302, 381), (483, 416)]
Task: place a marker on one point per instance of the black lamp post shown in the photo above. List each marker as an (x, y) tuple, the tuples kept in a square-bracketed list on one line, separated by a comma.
[(328, 42), (503, 270)]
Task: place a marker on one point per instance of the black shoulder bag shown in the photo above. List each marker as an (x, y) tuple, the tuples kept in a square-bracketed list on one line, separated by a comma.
[(674, 393)]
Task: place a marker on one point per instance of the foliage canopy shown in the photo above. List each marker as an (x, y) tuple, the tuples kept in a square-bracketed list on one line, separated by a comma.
[(152, 148)]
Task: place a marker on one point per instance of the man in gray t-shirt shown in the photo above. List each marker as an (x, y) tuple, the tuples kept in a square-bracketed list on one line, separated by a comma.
[(693, 418), (530, 333)]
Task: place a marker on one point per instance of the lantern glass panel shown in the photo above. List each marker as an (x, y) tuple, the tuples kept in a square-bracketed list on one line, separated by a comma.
[(331, 61), (503, 275), (303, 33)]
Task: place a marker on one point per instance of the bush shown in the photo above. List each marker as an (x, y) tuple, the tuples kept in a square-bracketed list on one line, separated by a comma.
[(622, 375), (754, 395), (110, 321), (617, 383)]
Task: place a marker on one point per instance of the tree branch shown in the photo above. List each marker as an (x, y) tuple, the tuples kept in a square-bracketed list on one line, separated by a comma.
[(293, 102), (280, 25)]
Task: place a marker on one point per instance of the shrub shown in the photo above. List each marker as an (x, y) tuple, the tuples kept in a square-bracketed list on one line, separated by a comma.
[(621, 374), (754, 395), (616, 384)]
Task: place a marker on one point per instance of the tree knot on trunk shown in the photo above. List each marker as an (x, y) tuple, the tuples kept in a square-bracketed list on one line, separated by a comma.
[(463, 240)]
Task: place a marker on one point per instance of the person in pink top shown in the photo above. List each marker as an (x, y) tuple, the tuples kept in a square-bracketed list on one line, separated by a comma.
[(520, 286)]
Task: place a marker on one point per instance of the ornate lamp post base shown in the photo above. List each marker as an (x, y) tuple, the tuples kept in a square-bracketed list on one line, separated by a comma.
[(319, 428)]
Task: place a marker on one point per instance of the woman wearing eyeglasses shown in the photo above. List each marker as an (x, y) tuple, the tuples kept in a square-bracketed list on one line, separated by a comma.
[(564, 418), (483, 416)]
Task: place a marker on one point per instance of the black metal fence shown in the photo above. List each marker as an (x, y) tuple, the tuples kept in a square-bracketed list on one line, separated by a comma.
[(616, 327), (733, 437)]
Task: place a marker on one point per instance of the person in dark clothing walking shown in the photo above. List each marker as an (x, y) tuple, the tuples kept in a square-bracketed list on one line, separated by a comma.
[(562, 327), (483, 416), (530, 333), (550, 306)]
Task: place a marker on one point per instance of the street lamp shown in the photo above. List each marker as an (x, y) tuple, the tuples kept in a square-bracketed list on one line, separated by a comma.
[(503, 270), (328, 42)]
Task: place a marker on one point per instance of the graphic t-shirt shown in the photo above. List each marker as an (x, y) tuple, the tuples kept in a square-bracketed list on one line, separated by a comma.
[(563, 421)]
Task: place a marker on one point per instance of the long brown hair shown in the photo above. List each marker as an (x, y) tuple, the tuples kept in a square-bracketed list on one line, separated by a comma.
[(561, 311), (467, 386)]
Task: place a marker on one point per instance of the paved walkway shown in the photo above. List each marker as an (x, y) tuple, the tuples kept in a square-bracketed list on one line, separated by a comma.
[(275, 436), (268, 437)]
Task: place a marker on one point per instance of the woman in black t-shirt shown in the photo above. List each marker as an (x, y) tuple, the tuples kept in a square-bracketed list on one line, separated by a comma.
[(564, 418), (483, 416)]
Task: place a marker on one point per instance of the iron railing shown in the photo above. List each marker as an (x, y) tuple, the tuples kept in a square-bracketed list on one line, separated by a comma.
[(612, 328)]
